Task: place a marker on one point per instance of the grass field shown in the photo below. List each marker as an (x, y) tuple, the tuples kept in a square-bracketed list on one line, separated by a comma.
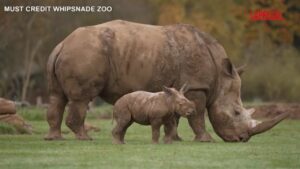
[(278, 148)]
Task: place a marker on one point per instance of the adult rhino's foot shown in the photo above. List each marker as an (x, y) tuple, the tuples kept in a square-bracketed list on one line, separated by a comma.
[(53, 136), (168, 140), (117, 141), (83, 136), (177, 138), (155, 142), (205, 137)]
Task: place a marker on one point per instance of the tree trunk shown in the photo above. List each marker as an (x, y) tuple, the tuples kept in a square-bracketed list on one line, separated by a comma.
[(29, 69)]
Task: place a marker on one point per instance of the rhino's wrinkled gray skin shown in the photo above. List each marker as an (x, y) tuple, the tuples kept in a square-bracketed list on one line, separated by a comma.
[(153, 109), (118, 57)]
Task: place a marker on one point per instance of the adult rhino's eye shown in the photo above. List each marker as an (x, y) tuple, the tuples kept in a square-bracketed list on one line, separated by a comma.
[(237, 113)]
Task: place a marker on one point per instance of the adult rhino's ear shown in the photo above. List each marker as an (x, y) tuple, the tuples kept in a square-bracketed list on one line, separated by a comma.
[(167, 90), (240, 70), (227, 67)]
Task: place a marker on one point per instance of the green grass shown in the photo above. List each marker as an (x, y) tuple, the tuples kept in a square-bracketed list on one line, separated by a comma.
[(33, 113), (39, 114), (7, 128), (278, 148)]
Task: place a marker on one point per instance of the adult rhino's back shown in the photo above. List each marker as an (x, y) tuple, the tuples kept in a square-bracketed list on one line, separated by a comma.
[(117, 57)]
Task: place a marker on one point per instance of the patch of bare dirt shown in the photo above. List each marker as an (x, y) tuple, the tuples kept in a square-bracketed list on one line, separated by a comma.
[(273, 109)]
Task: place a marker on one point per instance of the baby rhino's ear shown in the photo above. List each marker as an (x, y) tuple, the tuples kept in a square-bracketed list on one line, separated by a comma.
[(167, 90), (184, 88)]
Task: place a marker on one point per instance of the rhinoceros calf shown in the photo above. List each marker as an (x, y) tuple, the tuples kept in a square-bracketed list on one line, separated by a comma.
[(152, 109), (8, 114), (7, 107)]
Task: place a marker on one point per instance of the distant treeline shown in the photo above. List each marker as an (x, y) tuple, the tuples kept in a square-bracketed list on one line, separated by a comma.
[(269, 48)]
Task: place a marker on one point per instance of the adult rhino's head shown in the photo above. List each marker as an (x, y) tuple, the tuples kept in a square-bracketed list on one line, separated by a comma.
[(230, 120)]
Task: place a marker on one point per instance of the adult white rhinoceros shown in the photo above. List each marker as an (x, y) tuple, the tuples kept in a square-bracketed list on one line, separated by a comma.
[(118, 57)]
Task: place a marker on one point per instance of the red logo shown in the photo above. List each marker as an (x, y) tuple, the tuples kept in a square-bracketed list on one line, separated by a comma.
[(266, 15)]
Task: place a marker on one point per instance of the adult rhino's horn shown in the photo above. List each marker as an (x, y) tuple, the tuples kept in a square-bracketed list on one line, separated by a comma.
[(268, 124)]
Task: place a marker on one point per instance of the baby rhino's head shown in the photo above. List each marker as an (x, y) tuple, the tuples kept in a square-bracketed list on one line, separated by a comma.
[(179, 102)]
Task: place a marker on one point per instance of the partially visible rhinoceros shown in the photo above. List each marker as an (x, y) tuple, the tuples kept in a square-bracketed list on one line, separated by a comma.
[(117, 57), (8, 115)]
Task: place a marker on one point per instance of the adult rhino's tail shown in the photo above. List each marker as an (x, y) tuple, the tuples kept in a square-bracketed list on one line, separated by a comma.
[(53, 84)]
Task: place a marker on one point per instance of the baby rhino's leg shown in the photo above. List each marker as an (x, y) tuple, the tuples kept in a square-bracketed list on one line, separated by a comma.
[(155, 125), (123, 120), (170, 130), (124, 130)]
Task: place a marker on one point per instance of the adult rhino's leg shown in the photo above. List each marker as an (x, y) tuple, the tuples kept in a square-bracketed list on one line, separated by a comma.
[(55, 112), (197, 121), (76, 117)]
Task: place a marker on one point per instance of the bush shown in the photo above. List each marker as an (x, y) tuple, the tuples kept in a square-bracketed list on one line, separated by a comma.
[(102, 111), (39, 114), (272, 74), (32, 113)]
